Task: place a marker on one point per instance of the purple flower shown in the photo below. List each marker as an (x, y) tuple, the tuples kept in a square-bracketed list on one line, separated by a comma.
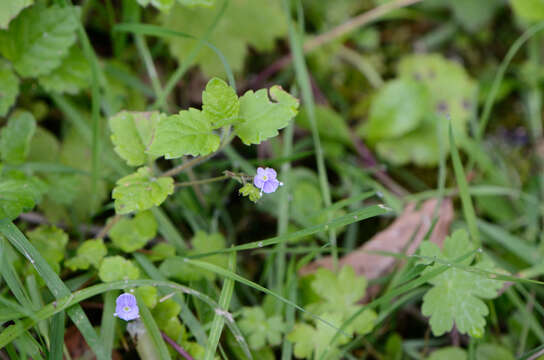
[(266, 180), (126, 307)]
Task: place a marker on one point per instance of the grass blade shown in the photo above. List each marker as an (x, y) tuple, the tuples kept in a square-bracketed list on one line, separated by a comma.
[(468, 208), (108, 323), (57, 336), (153, 330), (221, 313), (55, 285)]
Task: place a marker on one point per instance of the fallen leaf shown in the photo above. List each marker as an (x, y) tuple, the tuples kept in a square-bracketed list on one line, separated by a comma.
[(396, 238)]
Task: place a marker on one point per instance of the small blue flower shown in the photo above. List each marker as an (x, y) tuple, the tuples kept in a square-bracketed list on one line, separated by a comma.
[(126, 307), (266, 180)]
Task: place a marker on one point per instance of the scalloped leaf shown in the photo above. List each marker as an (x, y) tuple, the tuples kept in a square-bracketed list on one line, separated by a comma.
[(132, 234), (245, 22), (9, 88), (141, 191), (262, 117), (89, 253), (220, 103), (39, 38), (9, 9), (132, 133), (187, 133), (114, 268), (15, 137), (18, 194), (73, 74)]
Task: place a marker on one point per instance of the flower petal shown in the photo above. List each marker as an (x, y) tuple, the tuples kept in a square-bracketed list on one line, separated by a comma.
[(270, 186), (270, 173)]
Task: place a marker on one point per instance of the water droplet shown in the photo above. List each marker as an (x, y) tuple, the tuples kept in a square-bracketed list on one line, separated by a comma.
[(355, 217), (379, 194), (260, 244), (480, 250)]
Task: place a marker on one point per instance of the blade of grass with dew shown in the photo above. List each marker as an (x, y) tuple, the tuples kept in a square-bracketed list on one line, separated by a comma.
[(466, 200), (186, 315), (350, 218), (67, 302), (57, 336), (12, 280), (108, 322), (229, 274), (303, 80), (283, 210), (153, 330), (222, 313), (55, 285)]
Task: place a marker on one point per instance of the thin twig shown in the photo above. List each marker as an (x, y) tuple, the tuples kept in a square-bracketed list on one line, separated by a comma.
[(106, 229), (178, 169), (176, 347), (204, 181), (341, 30), (35, 218)]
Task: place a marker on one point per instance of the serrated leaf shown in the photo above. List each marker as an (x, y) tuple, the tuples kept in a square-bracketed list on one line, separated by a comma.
[(132, 234), (220, 103), (115, 268), (340, 294), (89, 253), (245, 22), (187, 133), (18, 194), (73, 74), (39, 38), (262, 118), (132, 133), (9, 88), (259, 329), (456, 294), (309, 340), (15, 137), (141, 191), (10, 9), (51, 242)]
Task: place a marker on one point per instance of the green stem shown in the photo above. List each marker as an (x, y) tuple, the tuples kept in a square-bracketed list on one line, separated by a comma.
[(303, 80)]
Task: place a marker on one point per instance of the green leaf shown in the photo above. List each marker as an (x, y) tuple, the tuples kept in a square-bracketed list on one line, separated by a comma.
[(220, 103), (132, 133), (259, 329), (166, 315), (177, 268), (10, 9), (330, 124), (456, 294), (472, 15), (73, 74), (262, 118), (149, 295), (244, 23), (493, 352), (187, 133), (132, 234), (39, 38), (162, 251), (18, 194), (310, 340), (114, 268), (250, 191), (196, 2), (9, 87), (528, 10), (448, 353), (15, 137), (340, 294), (89, 253), (398, 108), (51, 242), (161, 5), (141, 191)]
